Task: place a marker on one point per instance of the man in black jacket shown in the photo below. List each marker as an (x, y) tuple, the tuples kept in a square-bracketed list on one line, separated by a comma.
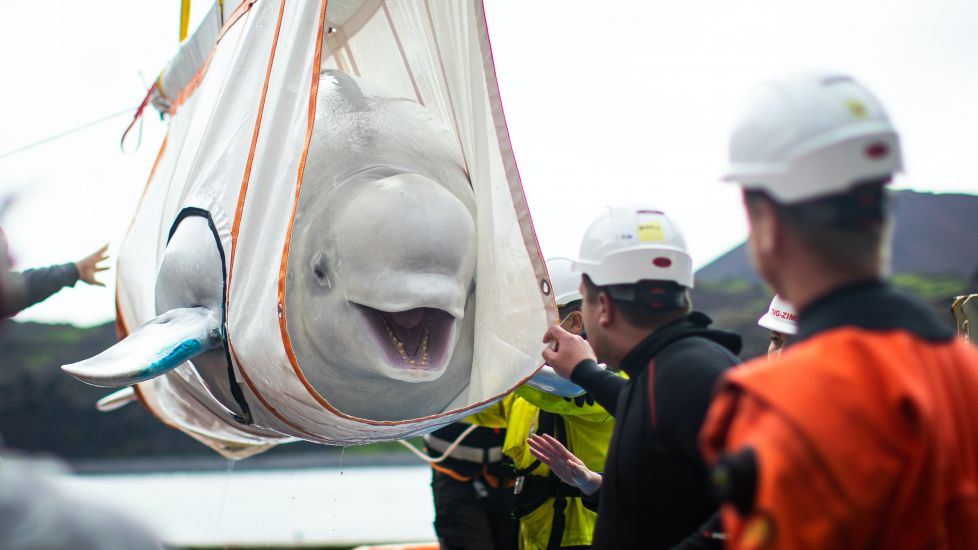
[(636, 276)]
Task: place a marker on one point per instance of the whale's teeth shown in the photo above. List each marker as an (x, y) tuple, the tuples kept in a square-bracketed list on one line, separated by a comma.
[(399, 345), (424, 343)]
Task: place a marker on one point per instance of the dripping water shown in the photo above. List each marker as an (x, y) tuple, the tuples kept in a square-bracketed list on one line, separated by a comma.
[(222, 503), (335, 503)]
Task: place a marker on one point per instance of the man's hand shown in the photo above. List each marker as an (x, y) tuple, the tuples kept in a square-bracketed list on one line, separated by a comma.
[(564, 464), (570, 350), (89, 266)]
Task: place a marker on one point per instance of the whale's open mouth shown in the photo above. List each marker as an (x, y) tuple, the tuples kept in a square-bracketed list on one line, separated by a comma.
[(419, 339)]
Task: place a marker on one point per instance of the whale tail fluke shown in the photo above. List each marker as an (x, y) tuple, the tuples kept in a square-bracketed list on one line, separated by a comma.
[(157, 347)]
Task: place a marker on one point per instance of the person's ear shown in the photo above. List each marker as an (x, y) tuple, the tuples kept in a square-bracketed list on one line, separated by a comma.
[(766, 241), (764, 227), (606, 310), (574, 323)]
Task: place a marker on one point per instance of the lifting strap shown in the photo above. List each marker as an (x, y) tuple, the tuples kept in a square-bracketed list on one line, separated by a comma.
[(534, 490), (555, 423)]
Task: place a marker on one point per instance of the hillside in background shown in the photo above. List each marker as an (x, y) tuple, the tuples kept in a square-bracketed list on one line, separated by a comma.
[(935, 234), (737, 304), (43, 409)]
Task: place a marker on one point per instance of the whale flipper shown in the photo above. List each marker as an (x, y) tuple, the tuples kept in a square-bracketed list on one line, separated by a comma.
[(547, 380), (159, 346), (116, 400)]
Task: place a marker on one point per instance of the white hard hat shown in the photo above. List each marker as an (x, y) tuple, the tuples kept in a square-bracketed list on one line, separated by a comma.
[(566, 283), (780, 317), (625, 245), (810, 136)]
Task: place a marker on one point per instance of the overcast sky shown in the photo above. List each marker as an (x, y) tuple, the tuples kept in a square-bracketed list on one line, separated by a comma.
[(607, 102)]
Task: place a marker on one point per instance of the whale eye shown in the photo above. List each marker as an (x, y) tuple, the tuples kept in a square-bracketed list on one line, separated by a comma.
[(318, 265)]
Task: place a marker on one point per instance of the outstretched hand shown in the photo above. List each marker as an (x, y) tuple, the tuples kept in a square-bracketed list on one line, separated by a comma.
[(570, 349), (89, 266), (564, 464)]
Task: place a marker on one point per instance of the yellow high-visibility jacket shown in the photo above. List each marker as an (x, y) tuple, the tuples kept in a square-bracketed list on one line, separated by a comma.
[(588, 430)]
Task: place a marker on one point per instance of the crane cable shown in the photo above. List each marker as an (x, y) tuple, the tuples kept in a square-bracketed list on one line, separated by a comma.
[(65, 133)]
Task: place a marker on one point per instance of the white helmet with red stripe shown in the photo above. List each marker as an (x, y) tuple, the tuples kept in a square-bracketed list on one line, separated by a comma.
[(780, 317), (625, 245), (812, 135)]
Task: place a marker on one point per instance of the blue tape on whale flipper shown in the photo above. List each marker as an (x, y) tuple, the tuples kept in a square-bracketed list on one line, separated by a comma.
[(182, 352)]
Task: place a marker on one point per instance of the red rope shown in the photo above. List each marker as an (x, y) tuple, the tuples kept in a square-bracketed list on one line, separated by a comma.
[(136, 117)]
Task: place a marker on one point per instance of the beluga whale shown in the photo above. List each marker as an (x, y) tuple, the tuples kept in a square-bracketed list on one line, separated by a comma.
[(380, 277), (380, 283), (338, 252)]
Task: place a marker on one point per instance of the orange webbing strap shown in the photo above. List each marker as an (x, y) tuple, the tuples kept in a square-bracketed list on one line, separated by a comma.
[(121, 331), (246, 178), (239, 212), (450, 473), (496, 482), (188, 90), (493, 481), (283, 330)]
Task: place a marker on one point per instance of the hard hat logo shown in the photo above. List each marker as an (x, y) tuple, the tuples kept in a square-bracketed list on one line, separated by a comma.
[(649, 232), (784, 315), (857, 108)]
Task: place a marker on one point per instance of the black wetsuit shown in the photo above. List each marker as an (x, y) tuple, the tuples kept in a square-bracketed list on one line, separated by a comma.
[(656, 491)]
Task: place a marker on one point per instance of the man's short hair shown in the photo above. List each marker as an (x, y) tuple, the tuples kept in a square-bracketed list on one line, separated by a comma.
[(645, 304), (847, 231)]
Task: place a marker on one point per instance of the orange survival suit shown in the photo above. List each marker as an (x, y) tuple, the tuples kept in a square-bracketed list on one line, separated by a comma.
[(863, 435)]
